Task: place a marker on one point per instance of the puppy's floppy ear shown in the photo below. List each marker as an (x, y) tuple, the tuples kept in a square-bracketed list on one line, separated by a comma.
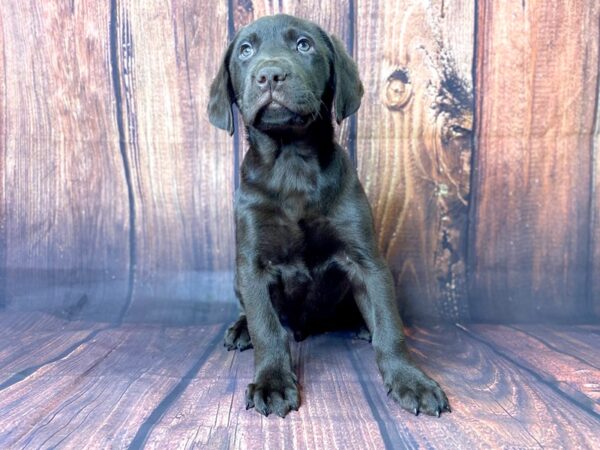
[(348, 87), (221, 100)]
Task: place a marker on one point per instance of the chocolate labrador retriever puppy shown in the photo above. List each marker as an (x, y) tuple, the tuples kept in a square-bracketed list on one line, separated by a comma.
[(306, 256)]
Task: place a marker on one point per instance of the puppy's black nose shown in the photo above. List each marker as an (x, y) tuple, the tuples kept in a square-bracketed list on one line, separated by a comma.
[(269, 77)]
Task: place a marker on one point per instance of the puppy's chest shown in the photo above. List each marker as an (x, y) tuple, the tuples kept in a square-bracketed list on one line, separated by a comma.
[(311, 240), (295, 176), (300, 229)]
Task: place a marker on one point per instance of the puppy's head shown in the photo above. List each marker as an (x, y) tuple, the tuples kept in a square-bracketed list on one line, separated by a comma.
[(283, 73)]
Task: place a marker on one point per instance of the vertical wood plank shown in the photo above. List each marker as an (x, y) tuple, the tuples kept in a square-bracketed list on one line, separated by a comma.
[(64, 211), (537, 69), (181, 166), (594, 269), (414, 145), (3, 157)]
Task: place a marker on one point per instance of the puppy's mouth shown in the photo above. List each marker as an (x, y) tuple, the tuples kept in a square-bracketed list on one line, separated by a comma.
[(274, 106), (272, 112)]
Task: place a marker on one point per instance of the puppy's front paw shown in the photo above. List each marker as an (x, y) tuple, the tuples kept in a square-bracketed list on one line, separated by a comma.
[(273, 391), (416, 392)]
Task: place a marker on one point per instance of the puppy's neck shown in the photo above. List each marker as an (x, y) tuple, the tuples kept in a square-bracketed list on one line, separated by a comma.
[(316, 141), (289, 168)]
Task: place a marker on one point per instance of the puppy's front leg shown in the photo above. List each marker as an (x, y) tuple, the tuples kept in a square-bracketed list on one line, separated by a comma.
[(275, 385), (406, 383)]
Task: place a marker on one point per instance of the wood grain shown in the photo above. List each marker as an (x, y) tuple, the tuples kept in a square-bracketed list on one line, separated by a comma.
[(101, 394), (32, 340), (176, 387), (64, 215), (537, 69), (181, 167), (462, 369), (545, 413), (334, 413), (575, 377), (3, 158), (574, 340), (594, 274), (413, 145), (116, 193)]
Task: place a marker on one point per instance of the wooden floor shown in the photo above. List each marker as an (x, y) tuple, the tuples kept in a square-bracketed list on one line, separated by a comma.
[(75, 384)]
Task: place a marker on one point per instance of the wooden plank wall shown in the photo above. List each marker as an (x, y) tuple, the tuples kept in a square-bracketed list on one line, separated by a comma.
[(477, 144), (414, 148), (594, 279), (179, 167), (537, 106), (65, 215)]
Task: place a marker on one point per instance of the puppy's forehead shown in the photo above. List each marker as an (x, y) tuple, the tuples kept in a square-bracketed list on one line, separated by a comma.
[(271, 27)]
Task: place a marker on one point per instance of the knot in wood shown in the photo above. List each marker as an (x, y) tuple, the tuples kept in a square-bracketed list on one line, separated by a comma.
[(441, 190), (398, 90)]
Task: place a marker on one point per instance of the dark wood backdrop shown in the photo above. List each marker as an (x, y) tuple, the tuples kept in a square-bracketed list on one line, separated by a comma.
[(477, 143)]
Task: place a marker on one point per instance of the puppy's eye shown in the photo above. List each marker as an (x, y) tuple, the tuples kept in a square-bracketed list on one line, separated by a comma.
[(303, 45), (246, 50)]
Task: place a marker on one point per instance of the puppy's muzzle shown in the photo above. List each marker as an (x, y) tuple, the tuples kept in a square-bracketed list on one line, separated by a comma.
[(270, 78)]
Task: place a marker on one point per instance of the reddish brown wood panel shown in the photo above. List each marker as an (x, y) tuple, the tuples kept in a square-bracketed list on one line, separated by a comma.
[(33, 339), (155, 386), (594, 280), (116, 191), (65, 217), (413, 144), (3, 156), (551, 418), (334, 412), (575, 377), (101, 394), (574, 340), (476, 421), (181, 166), (537, 69)]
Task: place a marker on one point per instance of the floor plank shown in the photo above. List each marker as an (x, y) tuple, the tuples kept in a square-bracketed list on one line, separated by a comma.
[(477, 419), (575, 340), (31, 340), (334, 412), (153, 386), (547, 411), (102, 394), (576, 378)]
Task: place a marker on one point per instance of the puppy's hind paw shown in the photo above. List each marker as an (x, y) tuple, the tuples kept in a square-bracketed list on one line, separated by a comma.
[(237, 336), (363, 333)]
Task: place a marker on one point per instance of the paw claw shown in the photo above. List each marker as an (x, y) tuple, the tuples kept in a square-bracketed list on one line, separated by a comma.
[(416, 392), (274, 391)]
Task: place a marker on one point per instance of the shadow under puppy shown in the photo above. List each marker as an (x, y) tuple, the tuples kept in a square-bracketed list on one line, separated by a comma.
[(306, 255)]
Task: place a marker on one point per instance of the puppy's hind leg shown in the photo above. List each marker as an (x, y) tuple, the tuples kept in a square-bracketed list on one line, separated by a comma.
[(237, 336)]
